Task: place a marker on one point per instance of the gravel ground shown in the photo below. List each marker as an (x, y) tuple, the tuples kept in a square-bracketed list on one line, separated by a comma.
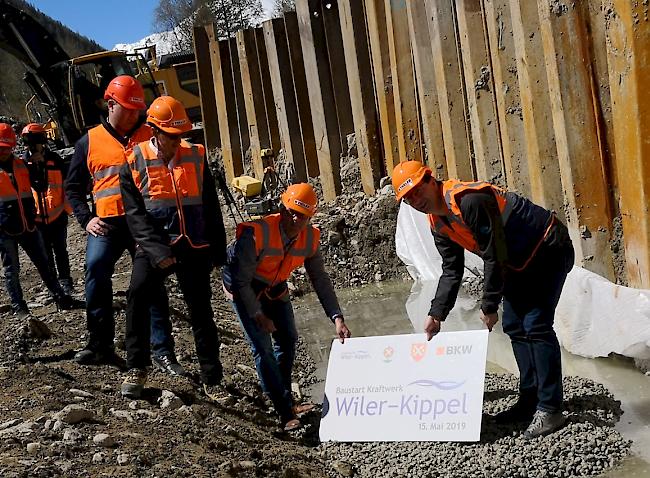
[(587, 446), (60, 419)]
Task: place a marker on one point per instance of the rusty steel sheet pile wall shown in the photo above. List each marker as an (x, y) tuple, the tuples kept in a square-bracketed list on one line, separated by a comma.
[(545, 97)]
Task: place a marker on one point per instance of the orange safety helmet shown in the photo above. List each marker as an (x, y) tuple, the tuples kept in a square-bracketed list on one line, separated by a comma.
[(300, 197), (7, 136), (407, 175), (169, 115), (32, 128), (127, 91)]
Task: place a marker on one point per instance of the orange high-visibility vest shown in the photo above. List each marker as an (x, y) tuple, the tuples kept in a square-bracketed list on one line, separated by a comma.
[(53, 198), (10, 193), (105, 157), (275, 265), (523, 239), (176, 196), (457, 230)]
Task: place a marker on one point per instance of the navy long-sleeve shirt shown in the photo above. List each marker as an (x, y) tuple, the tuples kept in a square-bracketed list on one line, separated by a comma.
[(481, 214)]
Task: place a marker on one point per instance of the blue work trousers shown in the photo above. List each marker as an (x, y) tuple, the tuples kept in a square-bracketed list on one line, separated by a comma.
[(530, 299), (102, 253), (273, 359), (32, 244)]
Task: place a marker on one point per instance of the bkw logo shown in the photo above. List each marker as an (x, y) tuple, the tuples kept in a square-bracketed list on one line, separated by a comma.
[(454, 350)]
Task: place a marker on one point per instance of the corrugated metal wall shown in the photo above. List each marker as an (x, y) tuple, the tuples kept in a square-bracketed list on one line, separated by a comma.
[(546, 97)]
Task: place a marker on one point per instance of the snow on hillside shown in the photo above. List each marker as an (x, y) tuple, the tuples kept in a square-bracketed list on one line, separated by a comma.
[(165, 43)]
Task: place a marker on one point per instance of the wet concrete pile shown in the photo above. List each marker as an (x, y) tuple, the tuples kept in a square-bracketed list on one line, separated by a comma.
[(587, 446)]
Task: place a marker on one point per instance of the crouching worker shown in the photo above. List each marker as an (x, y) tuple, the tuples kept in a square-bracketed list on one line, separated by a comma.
[(173, 213), (18, 226), (261, 259), (527, 254)]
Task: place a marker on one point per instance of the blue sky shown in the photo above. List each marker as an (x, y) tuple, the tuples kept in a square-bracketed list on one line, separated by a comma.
[(108, 21)]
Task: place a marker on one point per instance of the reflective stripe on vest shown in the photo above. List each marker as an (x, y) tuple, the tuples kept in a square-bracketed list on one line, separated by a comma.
[(8, 191), (164, 189), (274, 265), (106, 155), (457, 230), (53, 198)]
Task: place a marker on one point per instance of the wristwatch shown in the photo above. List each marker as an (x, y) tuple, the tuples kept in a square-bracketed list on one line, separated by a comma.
[(336, 316)]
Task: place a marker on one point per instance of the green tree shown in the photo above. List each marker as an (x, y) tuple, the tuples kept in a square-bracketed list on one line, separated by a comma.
[(181, 16)]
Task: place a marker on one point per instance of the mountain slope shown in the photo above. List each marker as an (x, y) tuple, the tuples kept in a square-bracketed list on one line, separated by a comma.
[(14, 93)]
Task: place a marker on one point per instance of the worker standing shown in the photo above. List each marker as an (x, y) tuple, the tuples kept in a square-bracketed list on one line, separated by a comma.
[(47, 172), (527, 254), (17, 227), (95, 166), (173, 213), (260, 261)]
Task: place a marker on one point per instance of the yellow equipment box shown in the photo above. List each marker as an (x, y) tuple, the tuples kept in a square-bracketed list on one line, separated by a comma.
[(247, 185)]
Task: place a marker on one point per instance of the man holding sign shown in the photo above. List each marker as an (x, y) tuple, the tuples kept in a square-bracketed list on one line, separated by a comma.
[(527, 255), (260, 261)]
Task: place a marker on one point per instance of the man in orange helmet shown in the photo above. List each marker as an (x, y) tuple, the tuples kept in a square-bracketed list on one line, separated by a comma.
[(260, 261), (47, 172), (173, 213), (95, 166), (527, 254), (17, 227)]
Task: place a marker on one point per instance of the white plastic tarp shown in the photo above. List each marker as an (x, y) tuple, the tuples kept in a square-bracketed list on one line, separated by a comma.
[(594, 318)]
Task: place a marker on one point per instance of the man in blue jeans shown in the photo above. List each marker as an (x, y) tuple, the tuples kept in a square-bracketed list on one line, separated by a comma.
[(95, 166), (259, 263), (18, 227), (527, 254)]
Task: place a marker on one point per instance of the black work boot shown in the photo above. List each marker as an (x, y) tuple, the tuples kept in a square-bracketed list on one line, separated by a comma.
[(66, 302), (67, 286), (89, 356)]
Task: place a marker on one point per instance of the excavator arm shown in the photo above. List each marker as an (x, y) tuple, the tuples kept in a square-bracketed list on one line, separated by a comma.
[(46, 63)]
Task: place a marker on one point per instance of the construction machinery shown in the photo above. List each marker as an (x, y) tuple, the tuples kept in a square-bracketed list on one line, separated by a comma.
[(261, 197), (68, 90), (175, 75)]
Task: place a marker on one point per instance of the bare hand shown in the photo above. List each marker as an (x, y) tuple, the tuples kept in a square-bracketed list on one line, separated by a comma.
[(431, 326), (97, 227), (342, 331), (166, 262), (264, 323), (489, 320)]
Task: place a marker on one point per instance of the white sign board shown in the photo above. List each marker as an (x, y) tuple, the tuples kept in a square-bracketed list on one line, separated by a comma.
[(403, 388)]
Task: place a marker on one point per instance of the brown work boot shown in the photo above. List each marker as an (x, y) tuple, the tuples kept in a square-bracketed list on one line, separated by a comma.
[(134, 382), (218, 394)]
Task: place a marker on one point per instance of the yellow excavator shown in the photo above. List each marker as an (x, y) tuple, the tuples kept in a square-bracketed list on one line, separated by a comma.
[(175, 75)]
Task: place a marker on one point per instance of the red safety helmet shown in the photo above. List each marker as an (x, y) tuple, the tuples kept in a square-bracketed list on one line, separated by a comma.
[(169, 115), (407, 175), (301, 198), (127, 91), (7, 136), (33, 128)]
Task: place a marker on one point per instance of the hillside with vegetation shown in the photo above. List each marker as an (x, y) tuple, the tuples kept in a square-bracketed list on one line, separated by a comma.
[(14, 93)]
